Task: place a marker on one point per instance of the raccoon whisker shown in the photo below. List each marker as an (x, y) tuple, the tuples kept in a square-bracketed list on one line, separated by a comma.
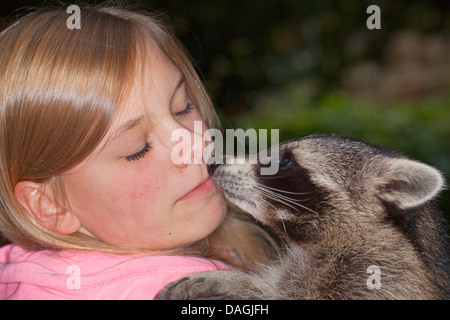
[(283, 199), (264, 200), (275, 189), (261, 187), (268, 189), (282, 222), (292, 200), (284, 226), (275, 197)]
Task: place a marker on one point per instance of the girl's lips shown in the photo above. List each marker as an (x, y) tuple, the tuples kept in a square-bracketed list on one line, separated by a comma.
[(199, 190)]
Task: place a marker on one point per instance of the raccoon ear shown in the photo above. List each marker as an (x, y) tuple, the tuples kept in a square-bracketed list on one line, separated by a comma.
[(408, 183)]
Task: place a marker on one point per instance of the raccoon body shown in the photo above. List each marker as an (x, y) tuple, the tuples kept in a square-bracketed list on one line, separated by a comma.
[(359, 221)]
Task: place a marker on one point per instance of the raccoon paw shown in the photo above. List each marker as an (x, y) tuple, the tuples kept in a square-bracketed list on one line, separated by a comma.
[(212, 285)]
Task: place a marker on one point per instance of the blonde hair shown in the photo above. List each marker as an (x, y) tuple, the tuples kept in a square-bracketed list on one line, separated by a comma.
[(59, 90)]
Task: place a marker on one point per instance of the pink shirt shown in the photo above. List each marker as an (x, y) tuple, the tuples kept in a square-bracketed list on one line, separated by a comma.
[(91, 275)]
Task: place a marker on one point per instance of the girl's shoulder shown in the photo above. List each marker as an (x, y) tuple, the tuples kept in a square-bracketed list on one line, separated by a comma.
[(90, 274)]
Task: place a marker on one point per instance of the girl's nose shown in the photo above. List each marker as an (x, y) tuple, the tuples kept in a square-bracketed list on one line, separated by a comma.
[(188, 145)]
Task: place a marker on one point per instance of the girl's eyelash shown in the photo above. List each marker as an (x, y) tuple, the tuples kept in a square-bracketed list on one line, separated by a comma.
[(186, 111), (140, 154), (147, 147)]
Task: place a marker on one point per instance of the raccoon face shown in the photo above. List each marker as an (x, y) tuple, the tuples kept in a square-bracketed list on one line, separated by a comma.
[(323, 178)]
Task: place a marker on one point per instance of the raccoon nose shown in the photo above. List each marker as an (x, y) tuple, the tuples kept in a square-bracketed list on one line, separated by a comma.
[(212, 167)]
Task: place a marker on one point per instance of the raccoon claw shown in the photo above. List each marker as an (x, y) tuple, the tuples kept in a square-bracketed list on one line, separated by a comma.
[(194, 287), (170, 292)]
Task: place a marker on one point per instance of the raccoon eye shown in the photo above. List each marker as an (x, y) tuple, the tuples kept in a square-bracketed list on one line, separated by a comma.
[(286, 161)]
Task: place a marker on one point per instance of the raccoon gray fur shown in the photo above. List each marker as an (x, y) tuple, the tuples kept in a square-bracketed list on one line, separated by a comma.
[(359, 223)]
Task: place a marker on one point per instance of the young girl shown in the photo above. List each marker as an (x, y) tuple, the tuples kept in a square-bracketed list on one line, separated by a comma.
[(90, 198)]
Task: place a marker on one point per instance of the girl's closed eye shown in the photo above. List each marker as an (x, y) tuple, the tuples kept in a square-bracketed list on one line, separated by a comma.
[(140, 154), (189, 108), (143, 152)]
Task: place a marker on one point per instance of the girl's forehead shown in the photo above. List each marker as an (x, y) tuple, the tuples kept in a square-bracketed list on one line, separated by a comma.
[(154, 84), (155, 74)]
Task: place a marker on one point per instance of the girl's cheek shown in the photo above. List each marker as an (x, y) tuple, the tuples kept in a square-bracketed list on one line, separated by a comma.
[(146, 183)]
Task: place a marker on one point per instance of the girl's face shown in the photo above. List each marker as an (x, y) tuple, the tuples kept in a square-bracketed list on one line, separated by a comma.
[(129, 192)]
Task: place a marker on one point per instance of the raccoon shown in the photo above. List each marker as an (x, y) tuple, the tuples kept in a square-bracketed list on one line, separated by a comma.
[(358, 220)]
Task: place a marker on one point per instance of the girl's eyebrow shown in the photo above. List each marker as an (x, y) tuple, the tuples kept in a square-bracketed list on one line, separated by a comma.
[(128, 125), (124, 128)]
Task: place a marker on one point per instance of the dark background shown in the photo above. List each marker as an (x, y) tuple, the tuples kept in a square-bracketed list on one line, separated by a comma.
[(314, 66)]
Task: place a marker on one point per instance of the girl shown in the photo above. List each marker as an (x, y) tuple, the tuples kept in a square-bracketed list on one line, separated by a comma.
[(90, 198)]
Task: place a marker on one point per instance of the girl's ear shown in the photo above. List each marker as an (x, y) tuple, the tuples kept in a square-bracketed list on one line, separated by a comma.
[(41, 205)]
